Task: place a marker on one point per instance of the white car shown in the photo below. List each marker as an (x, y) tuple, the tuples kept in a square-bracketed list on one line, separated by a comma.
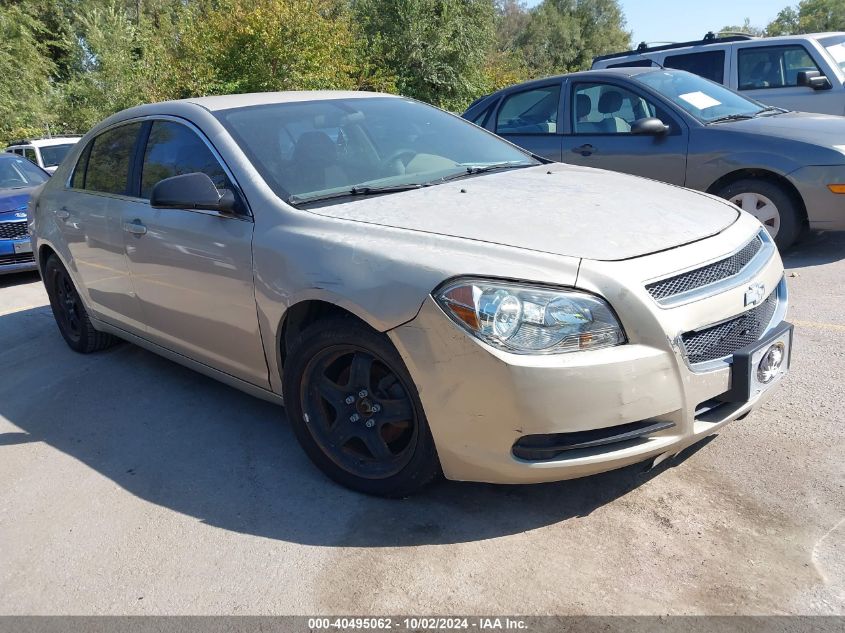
[(795, 72), (47, 153)]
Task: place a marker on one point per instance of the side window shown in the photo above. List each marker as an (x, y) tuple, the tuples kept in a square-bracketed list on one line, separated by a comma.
[(530, 112), (109, 159), (174, 149), (29, 153), (772, 66), (710, 64), (481, 117), (78, 179), (609, 109)]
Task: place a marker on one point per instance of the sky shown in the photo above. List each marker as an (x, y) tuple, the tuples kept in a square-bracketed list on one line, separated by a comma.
[(684, 20)]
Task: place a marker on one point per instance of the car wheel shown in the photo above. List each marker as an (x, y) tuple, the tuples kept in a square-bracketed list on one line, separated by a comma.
[(70, 313), (770, 204), (355, 410)]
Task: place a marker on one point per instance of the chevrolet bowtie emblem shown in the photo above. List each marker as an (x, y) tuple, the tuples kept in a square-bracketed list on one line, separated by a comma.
[(754, 294)]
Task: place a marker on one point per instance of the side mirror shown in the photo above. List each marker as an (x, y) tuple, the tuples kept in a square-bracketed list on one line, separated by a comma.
[(649, 126), (813, 79), (191, 191)]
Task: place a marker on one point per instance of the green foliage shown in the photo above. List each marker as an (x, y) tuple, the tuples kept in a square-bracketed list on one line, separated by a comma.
[(67, 64), (434, 50), (810, 16), (260, 45)]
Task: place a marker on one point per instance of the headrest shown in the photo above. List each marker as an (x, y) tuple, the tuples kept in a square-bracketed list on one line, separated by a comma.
[(610, 101)]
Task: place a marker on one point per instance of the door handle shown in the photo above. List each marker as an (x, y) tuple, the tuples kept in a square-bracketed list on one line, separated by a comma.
[(63, 213), (135, 227), (584, 150)]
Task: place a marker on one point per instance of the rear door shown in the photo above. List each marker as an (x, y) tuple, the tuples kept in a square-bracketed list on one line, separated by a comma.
[(192, 269), (88, 215), (529, 118), (599, 115)]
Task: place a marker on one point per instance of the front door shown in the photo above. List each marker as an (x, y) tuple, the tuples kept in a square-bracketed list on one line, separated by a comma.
[(599, 135), (192, 270), (529, 118)]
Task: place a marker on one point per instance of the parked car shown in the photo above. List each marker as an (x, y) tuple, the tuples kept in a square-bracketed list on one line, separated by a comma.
[(795, 72), (785, 168), (421, 293), (18, 179), (47, 153)]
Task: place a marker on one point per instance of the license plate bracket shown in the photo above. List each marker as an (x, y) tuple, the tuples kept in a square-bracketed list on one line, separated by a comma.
[(23, 247), (745, 384)]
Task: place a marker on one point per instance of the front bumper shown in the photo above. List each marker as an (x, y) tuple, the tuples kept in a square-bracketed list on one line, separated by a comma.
[(481, 401), (825, 209), (12, 261)]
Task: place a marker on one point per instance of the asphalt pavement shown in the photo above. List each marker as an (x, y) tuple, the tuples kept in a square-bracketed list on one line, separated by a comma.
[(131, 485)]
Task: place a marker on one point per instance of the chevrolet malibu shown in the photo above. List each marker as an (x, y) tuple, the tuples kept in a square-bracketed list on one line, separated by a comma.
[(423, 296)]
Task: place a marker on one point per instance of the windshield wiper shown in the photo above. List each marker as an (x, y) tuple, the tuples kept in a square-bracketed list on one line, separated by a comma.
[(731, 117), (472, 170), (770, 111), (357, 190)]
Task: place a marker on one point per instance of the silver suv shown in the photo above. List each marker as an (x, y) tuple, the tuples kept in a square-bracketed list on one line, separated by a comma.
[(796, 72)]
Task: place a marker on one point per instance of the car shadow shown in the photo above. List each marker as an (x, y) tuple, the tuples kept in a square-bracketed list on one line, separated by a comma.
[(816, 249), (16, 279), (188, 443)]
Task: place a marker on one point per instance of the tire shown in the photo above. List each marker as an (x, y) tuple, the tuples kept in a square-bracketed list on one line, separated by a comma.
[(355, 410), (771, 204), (69, 312)]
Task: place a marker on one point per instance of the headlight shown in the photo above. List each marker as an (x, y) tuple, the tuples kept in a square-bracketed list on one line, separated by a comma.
[(526, 319)]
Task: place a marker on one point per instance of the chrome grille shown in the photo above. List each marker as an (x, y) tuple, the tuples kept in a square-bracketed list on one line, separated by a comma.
[(13, 230), (723, 339), (706, 275)]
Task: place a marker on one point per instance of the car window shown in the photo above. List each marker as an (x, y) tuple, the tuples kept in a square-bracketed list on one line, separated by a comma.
[(77, 181), (174, 149), (109, 160), (608, 109), (529, 112), (29, 153), (52, 155), (709, 64), (309, 149), (835, 47), (17, 172), (481, 117), (772, 67)]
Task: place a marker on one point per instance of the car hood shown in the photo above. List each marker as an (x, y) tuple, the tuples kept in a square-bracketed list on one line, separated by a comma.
[(559, 209), (13, 202), (819, 129)]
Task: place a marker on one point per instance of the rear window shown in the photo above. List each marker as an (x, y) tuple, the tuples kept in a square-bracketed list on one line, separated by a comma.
[(109, 160), (709, 64)]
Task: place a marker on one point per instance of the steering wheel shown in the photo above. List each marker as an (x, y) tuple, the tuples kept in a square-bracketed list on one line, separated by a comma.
[(393, 163)]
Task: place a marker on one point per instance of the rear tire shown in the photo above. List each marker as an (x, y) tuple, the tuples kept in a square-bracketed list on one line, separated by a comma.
[(355, 410), (69, 312), (767, 201)]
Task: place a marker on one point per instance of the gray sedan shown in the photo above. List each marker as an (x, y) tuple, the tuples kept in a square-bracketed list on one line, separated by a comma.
[(785, 168)]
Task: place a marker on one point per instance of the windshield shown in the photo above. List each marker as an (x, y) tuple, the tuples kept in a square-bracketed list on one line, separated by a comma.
[(311, 149), (16, 173), (703, 99), (52, 155), (835, 46)]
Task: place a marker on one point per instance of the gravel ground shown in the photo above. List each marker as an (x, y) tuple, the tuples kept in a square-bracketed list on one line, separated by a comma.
[(130, 485)]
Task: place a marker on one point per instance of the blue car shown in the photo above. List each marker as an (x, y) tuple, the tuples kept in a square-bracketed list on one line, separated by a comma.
[(18, 178)]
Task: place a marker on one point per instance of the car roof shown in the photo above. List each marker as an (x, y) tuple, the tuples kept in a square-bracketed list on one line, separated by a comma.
[(226, 102), (45, 142), (738, 40)]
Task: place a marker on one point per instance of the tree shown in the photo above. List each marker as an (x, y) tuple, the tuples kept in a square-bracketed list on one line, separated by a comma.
[(562, 35), (433, 50), (810, 16), (25, 68), (260, 45), (745, 28)]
